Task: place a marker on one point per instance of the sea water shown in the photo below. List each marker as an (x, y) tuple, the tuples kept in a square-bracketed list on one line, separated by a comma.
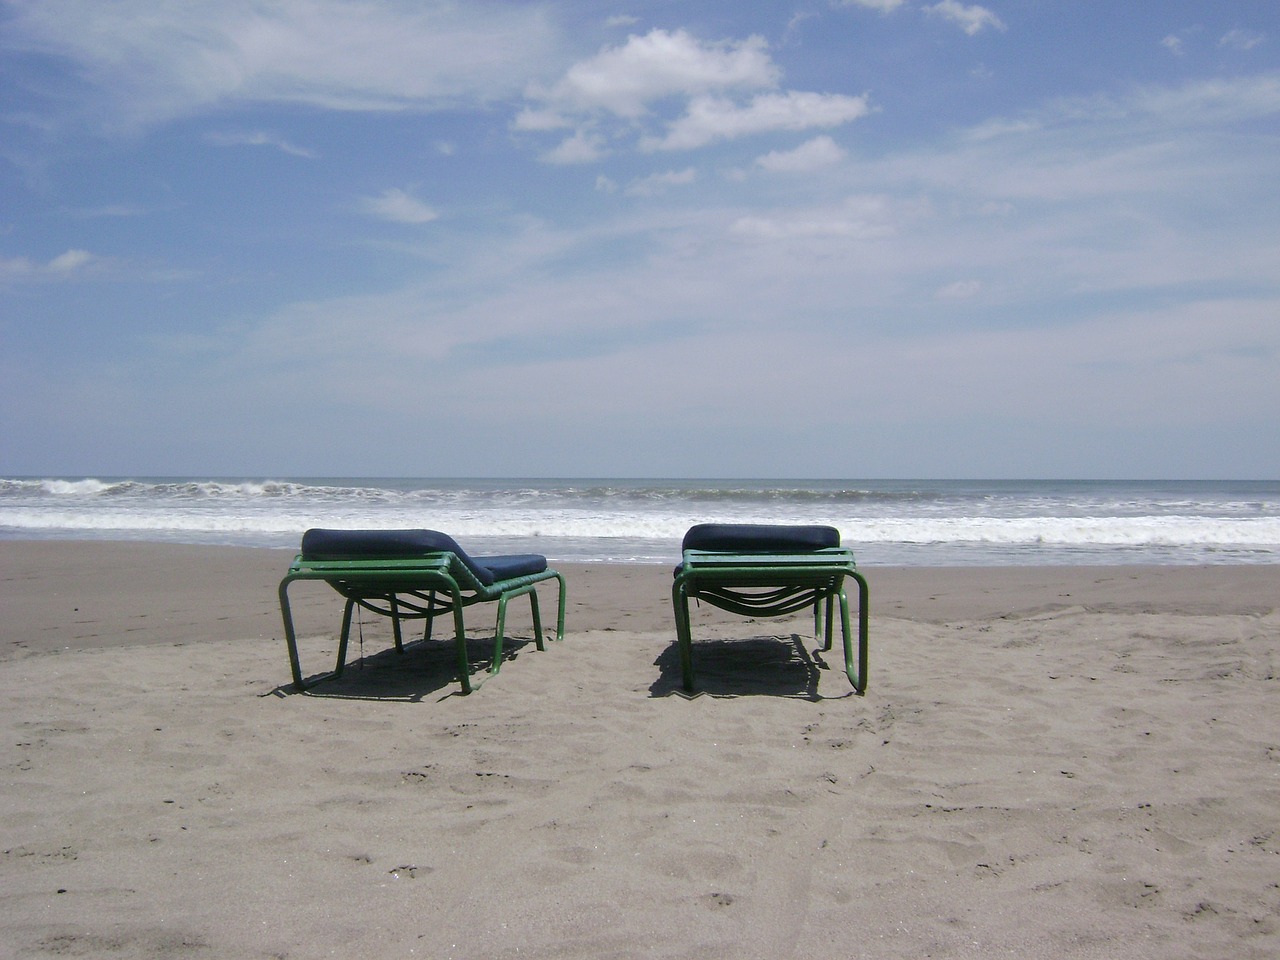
[(887, 522)]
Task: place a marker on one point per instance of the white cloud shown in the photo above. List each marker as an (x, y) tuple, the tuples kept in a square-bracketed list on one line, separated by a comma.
[(1154, 108), (1241, 39), (728, 90), (154, 60), (110, 210), (812, 155), (258, 139), (66, 264), (1094, 197), (715, 118), (539, 120), (1172, 44), (16, 267), (858, 218), (971, 19), (582, 147), (1002, 127), (884, 6), (69, 261), (626, 79), (657, 183), (793, 227), (398, 206), (1207, 101), (960, 290)]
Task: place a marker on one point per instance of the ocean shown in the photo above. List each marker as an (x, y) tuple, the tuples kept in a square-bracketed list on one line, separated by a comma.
[(886, 522)]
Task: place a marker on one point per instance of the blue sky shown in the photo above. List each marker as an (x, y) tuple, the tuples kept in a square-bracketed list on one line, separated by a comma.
[(869, 238)]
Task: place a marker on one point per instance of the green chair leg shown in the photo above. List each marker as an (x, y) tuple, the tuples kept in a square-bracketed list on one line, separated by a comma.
[(684, 638), (537, 620), (343, 636), (431, 615), (395, 624), (460, 649), (857, 678)]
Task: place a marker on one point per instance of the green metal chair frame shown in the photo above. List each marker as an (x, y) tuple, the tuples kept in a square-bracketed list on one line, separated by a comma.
[(773, 584), (413, 588)]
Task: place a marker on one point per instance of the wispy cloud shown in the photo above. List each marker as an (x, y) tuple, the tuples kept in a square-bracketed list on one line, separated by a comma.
[(582, 147), (110, 210), (885, 6), (960, 290), (863, 217), (257, 138), (153, 60), (1206, 101), (1242, 39), (714, 118), (625, 79), (539, 120), (971, 19), (65, 265), (398, 206), (809, 156), (658, 183)]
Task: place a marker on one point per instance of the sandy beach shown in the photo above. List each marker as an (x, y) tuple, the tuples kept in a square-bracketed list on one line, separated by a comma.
[(1050, 762)]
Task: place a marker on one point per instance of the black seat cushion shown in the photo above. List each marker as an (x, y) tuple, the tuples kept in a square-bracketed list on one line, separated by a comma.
[(322, 544), (514, 565), (760, 537)]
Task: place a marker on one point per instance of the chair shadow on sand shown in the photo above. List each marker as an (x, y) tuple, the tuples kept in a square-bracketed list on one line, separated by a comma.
[(769, 665), (425, 669)]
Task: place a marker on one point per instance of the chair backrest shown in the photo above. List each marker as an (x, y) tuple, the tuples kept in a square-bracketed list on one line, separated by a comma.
[(322, 544), (760, 537)]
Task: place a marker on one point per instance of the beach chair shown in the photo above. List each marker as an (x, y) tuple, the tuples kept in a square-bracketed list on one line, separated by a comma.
[(764, 570), (409, 575)]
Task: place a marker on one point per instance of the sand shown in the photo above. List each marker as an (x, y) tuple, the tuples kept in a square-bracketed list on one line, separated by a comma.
[(1049, 762)]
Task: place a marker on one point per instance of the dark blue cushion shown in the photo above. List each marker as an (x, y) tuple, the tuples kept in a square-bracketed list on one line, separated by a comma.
[(321, 544), (509, 567), (760, 537)]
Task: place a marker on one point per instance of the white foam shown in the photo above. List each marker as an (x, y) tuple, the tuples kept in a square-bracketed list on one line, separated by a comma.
[(621, 519)]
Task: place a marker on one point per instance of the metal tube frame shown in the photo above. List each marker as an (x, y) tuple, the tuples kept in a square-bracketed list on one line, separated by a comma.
[(783, 584), (405, 589)]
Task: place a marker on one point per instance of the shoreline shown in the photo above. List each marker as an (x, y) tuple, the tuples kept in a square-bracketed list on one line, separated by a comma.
[(1049, 762), (64, 594)]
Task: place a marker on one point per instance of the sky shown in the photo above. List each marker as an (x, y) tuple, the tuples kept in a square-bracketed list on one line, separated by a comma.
[(697, 238)]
